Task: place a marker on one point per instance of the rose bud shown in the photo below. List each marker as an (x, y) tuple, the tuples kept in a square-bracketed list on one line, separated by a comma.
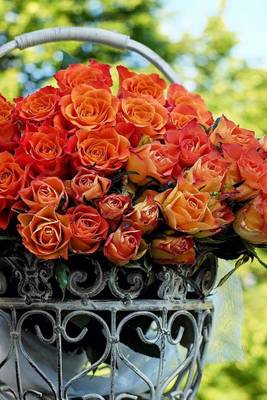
[(88, 185), (186, 209), (251, 221), (43, 192), (145, 215), (88, 229), (173, 250), (124, 245), (45, 233), (114, 206)]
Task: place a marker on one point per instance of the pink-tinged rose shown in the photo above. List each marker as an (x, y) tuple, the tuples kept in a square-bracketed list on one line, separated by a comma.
[(124, 244), (173, 250), (251, 221), (246, 174), (88, 185), (88, 229), (227, 132), (192, 142)]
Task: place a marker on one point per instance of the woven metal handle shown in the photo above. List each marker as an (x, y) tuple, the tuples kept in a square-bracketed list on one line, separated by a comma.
[(93, 35)]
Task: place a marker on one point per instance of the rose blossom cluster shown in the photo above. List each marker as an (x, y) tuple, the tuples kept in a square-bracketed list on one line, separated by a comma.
[(145, 171)]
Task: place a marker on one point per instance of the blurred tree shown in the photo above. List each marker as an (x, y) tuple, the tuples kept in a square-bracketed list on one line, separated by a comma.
[(136, 18), (228, 84)]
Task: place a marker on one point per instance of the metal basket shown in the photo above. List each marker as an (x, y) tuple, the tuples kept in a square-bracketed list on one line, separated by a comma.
[(177, 317)]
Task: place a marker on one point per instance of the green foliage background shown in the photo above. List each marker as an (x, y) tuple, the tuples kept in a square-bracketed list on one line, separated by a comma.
[(204, 63)]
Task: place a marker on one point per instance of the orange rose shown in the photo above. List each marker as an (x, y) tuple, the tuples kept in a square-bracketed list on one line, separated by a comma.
[(114, 206), (8, 129), (192, 142), (175, 91), (88, 229), (208, 172), (246, 172), (145, 112), (145, 215), (227, 132), (43, 192), (104, 151), (251, 221), (252, 168), (39, 106), (186, 209), (89, 108), (45, 233), (141, 84), (187, 106), (124, 244), (156, 160), (88, 185), (222, 214), (173, 250), (12, 180), (78, 74), (42, 150)]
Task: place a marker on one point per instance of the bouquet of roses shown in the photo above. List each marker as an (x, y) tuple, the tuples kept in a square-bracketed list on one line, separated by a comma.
[(144, 174)]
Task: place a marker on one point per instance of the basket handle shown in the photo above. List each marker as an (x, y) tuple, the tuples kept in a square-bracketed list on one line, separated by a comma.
[(93, 35)]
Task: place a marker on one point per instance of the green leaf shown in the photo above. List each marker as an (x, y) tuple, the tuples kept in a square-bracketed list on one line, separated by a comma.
[(132, 173), (68, 59), (62, 275), (245, 258), (8, 238), (132, 265)]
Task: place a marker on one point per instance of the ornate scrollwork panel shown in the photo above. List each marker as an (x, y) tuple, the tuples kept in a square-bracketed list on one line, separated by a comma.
[(132, 353)]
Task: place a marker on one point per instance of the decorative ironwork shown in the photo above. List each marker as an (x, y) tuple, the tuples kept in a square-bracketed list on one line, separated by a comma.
[(179, 332), (120, 334), (91, 280)]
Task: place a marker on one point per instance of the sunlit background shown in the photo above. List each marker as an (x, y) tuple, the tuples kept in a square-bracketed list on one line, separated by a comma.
[(218, 48)]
